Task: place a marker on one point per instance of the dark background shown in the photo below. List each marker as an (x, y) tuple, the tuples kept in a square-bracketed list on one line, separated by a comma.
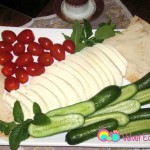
[(33, 7)]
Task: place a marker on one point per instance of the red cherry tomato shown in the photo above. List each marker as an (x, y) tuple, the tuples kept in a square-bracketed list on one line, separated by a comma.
[(9, 69), (35, 49), (11, 83), (24, 59), (22, 75), (35, 69), (19, 48), (26, 36), (5, 47), (9, 36), (45, 59), (45, 43), (69, 46), (5, 57), (58, 52)]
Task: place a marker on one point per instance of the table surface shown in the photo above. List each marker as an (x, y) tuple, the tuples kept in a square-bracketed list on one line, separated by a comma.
[(120, 16)]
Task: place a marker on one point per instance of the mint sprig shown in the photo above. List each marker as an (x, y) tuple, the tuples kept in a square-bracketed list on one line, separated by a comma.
[(82, 35), (18, 129)]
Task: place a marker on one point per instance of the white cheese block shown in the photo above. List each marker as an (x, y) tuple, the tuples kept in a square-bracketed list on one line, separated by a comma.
[(71, 95), (25, 103), (113, 56), (77, 74), (52, 87), (111, 66), (47, 96), (89, 78), (69, 78), (103, 66), (34, 97)]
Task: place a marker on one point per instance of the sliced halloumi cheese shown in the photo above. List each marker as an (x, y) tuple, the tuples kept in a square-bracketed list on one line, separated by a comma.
[(102, 65), (52, 87), (113, 56), (69, 78), (47, 96), (77, 74), (34, 97), (89, 78), (26, 104), (112, 67), (117, 53), (94, 64), (71, 95)]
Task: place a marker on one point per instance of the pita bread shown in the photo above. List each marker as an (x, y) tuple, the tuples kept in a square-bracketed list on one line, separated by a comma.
[(134, 45)]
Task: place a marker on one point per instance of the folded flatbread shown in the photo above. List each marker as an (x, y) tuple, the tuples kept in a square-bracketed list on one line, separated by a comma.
[(134, 45)]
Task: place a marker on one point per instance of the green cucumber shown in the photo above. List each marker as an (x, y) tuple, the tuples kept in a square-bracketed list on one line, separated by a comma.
[(135, 128), (85, 108), (122, 118), (144, 82), (127, 107), (141, 114), (82, 134), (106, 96), (127, 92), (142, 96), (58, 124)]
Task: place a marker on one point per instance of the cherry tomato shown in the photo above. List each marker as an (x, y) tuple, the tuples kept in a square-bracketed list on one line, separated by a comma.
[(11, 83), (45, 59), (69, 46), (5, 57), (19, 48), (35, 69), (9, 36), (58, 52), (26, 36), (5, 47), (45, 43), (35, 49), (22, 75), (24, 59), (9, 69)]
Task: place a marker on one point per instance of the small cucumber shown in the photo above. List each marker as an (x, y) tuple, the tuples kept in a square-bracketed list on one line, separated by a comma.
[(84, 108), (127, 92), (135, 128), (106, 96), (144, 82), (141, 114), (58, 124), (127, 107), (122, 118), (142, 96), (82, 134)]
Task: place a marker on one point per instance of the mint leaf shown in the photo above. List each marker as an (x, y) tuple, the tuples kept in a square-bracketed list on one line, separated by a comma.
[(40, 119), (18, 113), (10, 127), (87, 29), (104, 32), (36, 108), (3, 126), (77, 33)]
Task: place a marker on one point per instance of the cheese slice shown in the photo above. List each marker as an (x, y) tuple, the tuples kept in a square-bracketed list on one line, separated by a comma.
[(47, 96), (102, 65), (71, 95), (52, 87), (69, 78), (113, 56), (89, 78), (110, 65), (34, 97), (75, 73), (26, 104)]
